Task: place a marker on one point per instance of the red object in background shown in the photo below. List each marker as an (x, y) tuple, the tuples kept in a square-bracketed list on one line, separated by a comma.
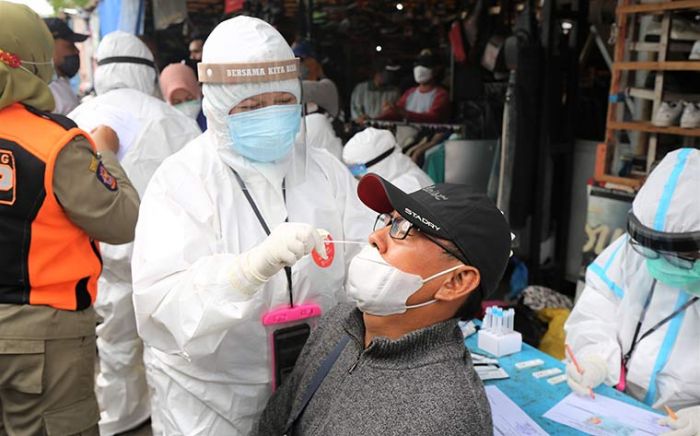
[(457, 42), (233, 6)]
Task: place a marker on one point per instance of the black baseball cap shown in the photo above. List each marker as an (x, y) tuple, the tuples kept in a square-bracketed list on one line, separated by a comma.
[(453, 212), (60, 30)]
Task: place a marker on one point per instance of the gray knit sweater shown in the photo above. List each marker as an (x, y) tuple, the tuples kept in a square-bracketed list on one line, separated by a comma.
[(421, 384)]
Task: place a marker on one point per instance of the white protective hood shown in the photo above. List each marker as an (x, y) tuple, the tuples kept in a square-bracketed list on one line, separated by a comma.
[(668, 201), (320, 134), (124, 74), (398, 168)]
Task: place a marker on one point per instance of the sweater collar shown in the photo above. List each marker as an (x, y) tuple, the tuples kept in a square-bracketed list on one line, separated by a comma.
[(434, 343)]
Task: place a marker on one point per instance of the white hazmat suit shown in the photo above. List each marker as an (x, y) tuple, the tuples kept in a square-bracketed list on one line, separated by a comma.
[(320, 134), (375, 150), (197, 309), (149, 131), (664, 368)]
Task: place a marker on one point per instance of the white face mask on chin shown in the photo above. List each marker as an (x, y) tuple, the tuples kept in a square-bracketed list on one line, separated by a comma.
[(380, 289)]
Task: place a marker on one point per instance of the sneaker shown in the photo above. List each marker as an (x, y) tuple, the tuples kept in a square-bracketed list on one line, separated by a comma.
[(691, 116), (668, 114), (695, 52)]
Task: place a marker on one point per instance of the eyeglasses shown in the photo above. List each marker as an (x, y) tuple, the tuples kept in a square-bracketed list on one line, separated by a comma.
[(675, 259), (400, 229)]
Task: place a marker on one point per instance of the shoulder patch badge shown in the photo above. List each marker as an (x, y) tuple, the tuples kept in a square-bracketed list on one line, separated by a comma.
[(7, 178), (106, 178)]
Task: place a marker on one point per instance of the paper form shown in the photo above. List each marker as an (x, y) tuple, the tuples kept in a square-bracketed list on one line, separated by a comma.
[(508, 418), (605, 416)]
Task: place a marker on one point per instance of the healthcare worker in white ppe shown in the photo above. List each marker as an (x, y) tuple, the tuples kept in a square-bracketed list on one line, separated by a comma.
[(225, 230), (376, 150), (637, 323), (149, 131)]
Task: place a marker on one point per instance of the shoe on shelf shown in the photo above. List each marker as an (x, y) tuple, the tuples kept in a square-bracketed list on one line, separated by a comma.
[(681, 29), (695, 52), (691, 116), (669, 114)]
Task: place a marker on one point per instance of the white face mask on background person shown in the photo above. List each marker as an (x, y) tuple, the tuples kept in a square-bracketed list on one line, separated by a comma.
[(422, 74), (190, 108), (381, 289)]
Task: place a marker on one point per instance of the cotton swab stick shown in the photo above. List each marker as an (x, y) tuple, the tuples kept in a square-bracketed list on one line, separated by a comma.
[(570, 352), (671, 413)]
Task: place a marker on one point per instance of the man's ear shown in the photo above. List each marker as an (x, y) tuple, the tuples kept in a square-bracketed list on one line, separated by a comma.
[(462, 282)]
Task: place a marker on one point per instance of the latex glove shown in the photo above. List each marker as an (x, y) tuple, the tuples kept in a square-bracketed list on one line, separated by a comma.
[(287, 243), (595, 371), (687, 424)]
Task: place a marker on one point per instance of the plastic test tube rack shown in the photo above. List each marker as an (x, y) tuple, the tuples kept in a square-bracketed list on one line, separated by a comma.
[(497, 335)]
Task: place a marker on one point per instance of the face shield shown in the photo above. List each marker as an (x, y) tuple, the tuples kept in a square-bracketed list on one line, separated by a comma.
[(682, 250), (252, 100)]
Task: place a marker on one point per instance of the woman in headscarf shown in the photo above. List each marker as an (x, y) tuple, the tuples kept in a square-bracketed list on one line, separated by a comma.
[(181, 89)]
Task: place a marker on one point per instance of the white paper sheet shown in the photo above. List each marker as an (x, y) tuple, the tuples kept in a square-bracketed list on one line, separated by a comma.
[(605, 416), (508, 418), (122, 122)]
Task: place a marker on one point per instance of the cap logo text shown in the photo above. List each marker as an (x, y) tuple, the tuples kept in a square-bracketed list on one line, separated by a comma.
[(421, 219), (435, 193)]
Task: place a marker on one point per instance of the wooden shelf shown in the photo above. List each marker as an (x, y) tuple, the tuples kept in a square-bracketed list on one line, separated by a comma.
[(658, 66), (642, 126), (659, 7), (648, 94)]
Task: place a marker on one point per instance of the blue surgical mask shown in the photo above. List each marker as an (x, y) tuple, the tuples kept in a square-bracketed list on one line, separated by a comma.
[(267, 134), (686, 279), (358, 170)]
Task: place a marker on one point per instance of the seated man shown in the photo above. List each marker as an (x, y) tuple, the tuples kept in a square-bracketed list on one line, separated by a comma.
[(397, 364), (426, 103), (369, 97)]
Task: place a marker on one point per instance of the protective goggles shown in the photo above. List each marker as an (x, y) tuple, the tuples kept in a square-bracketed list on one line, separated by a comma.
[(679, 249), (360, 169), (400, 228)]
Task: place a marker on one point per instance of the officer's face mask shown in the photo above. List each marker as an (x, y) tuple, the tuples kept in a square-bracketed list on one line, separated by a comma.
[(380, 289), (267, 134), (190, 108), (70, 65), (668, 274)]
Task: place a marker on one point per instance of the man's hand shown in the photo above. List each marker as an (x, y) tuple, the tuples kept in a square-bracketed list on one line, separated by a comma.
[(687, 424), (105, 139), (362, 119)]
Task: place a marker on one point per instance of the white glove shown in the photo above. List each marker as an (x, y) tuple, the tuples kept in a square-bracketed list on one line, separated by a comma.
[(595, 371), (687, 424), (287, 243)]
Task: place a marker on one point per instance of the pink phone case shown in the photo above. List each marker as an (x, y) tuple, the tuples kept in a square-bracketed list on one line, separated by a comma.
[(287, 316)]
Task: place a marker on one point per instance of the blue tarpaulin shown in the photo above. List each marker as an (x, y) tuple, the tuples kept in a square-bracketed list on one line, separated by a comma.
[(124, 15)]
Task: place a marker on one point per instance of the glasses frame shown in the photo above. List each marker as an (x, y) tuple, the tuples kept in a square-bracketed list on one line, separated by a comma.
[(399, 234), (675, 259)]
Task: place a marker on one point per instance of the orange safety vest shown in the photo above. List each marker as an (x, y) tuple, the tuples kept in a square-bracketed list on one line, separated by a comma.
[(45, 259)]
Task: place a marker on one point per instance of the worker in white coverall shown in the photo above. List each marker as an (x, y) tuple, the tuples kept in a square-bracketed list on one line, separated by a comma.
[(376, 150), (637, 322), (149, 131), (205, 268)]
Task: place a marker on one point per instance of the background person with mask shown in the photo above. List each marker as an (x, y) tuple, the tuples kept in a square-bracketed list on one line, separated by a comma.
[(370, 97), (180, 88), (150, 130), (426, 103), (402, 367), (60, 190), (205, 268), (66, 59), (636, 322), (376, 151)]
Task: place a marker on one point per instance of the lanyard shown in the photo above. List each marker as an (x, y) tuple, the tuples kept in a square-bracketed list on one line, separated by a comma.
[(635, 341), (266, 228)]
